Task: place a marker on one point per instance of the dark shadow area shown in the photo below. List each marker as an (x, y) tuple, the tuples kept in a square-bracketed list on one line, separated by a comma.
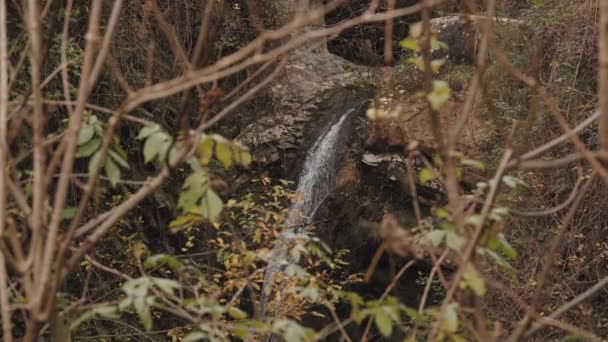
[(364, 44)]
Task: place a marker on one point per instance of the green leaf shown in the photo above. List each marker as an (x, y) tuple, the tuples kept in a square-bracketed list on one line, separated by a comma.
[(240, 154), (163, 259), (510, 181), (436, 64), (205, 150), (117, 158), (144, 313), (168, 286), (449, 324), (426, 175), (416, 30), (417, 61), (436, 237), (436, 44), (194, 188), (292, 331), (499, 213), (513, 182), (223, 153), (88, 148), (474, 219), (147, 131), (186, 220), (196, 337), (472, 280), (440, 212), (240, 331), (86, 133), (107, 312), (246, 158), (237, 313), (383, 323), (137, 296), (473, 163), (453, 240), (440, 94), (94, 161), (457, 338), (500, 261), (112, 172), (156, 145), (68, 213), (506, 247), (175, 151), (410, 44), (211, 206)]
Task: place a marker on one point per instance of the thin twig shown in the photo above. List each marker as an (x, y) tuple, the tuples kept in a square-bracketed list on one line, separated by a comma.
[(603, 73), (551, 211), (470, 247), (552, 164), (427, 289), (386, 292), (343, 332), (467, 108), (574, 302), (42, 300), (554, 109), (549, 259), (65, 78), (564, 137), (531, 312)]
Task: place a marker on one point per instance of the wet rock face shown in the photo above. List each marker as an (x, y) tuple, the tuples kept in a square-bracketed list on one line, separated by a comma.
[(312, 87)]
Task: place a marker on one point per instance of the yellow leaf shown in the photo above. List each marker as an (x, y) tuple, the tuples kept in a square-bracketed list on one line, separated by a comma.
[(211, 206), (416, 30), (440, 94), (410, 44), (223, 153), (449, 324), (436, 64), (472, 280), (426, 175), (204, 150), (383, 322)]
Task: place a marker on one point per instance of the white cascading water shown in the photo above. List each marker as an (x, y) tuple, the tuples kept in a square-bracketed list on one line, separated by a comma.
[(317, 181)]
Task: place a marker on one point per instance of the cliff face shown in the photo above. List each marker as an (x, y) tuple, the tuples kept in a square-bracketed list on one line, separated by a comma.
[(310, 89)]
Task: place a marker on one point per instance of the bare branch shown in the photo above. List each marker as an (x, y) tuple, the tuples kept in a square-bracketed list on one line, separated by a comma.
[(472, 243), (574, 302), (65, 77), (486, 27), (5, 307), (551, 211), (71, 138), (549, 259), (554, 109), (38, 210), (603, 73), (564, 137)]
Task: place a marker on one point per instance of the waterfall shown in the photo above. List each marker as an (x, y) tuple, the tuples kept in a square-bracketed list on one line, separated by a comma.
[(316, 182)]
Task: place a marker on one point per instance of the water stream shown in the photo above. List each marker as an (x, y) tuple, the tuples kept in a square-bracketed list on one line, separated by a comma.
[(317, 181)]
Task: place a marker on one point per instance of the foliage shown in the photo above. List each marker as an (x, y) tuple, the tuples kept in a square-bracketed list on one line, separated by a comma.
[(180, 244)]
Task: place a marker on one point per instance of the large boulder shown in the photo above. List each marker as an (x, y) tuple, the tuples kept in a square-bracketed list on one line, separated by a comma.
[(311, 82)]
